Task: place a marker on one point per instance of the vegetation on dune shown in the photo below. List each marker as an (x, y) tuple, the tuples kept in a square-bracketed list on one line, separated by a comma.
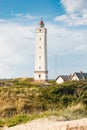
[(22, 100)]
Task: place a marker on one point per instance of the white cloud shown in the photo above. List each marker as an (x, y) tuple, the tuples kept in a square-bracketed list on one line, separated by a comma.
[(65, 41), (76, 12), (24, 16), (29, 16), (2, 20), (74, 5), (16, 46), (81, 48)]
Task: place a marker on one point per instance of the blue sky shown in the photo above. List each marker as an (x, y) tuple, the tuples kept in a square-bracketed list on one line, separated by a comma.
[(66, 23), (34, 7)]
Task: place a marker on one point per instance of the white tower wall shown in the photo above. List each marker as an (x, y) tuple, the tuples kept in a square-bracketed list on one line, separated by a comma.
[(41, 72)]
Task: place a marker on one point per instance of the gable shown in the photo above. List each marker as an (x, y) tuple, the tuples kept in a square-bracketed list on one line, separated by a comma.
[(62, 78), (75, 77), (59, 80)]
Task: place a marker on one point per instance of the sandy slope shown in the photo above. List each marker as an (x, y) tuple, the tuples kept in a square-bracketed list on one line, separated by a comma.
[(52, 124)]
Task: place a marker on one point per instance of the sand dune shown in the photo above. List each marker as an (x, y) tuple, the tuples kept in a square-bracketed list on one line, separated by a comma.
[(52, 124)]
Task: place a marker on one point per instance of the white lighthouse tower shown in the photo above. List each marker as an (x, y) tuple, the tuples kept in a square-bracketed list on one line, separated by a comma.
[(41, 72)]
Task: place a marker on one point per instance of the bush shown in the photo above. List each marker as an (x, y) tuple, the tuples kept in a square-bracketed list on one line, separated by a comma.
[(17, 120), (2, 123)]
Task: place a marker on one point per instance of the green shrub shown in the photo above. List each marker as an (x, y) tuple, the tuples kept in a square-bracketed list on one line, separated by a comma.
[(17, 120), (2, 123)]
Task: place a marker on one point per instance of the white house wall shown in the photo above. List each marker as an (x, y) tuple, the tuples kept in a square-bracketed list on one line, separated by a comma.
[(59, 80), (75, 78)]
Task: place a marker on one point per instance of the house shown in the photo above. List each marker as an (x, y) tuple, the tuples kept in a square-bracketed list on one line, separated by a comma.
[(78, 76), (62, 78)]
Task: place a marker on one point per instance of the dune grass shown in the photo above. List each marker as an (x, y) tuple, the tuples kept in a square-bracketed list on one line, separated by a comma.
[(23, 100)]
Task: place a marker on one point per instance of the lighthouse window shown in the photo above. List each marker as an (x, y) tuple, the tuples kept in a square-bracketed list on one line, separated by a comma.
[(40, 38), (39, 57), (40, 47), (39, 67), (40, 30), (39, 76)]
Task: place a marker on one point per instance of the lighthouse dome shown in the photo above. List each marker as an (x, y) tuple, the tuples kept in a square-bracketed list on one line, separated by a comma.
[(41, 24)]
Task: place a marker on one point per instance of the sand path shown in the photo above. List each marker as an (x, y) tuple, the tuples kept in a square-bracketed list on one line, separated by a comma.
[(52, 124)]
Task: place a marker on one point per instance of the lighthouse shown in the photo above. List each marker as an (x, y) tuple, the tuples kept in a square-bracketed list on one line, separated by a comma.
[(41, 71)]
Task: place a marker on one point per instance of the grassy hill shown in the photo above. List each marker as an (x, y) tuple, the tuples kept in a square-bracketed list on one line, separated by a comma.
[(22, 100)]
